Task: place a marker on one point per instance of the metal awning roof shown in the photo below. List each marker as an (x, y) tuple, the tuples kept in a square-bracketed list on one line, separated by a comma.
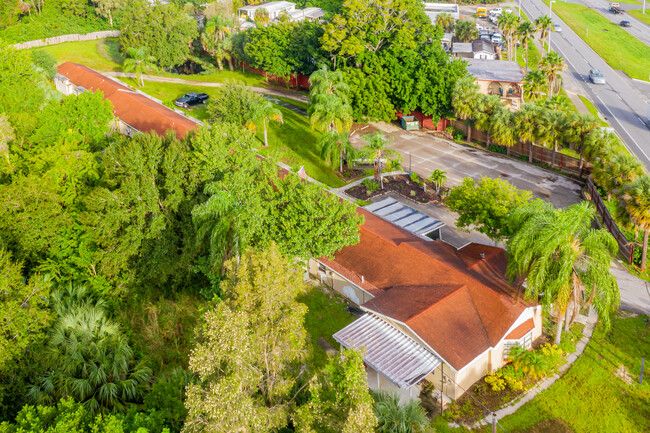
[(388, 350), (405, 217)]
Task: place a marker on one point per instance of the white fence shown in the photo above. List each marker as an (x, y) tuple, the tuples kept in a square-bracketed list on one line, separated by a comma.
[(68, 38)]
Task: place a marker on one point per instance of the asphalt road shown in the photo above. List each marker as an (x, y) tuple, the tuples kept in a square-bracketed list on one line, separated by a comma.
[(624, 106), (639, 29)]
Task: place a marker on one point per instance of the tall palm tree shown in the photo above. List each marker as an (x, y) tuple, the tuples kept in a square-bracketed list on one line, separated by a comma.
[(527, 126), (438, 178), (218, 27), (465, 99), (88, 359), (508, 24), (330, 114), (637, 205), (552, 64), (446, 21), (377, 150), (613, 172), (535, 85), (333, 146), (565, 261), (488, 104), (579, 127), (552, 131), (502, 127), (138, 61), (526, 32), (323, 83), (395, 417), (544, 25), (264, 112), (466, 30)]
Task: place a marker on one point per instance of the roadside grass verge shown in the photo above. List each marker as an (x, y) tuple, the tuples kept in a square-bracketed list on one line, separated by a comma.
[(594, 395), (327, 314), (620, 49), (593, 110), (637, 13)]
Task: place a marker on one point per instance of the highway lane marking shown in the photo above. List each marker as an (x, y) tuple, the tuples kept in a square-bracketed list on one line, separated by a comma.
[(625, 129)]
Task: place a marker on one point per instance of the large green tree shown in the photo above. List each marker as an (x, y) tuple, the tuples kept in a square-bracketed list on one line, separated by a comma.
[(485, 205), (564, 261), (465, 100), (250, 348), (637, 205), (165, 31)]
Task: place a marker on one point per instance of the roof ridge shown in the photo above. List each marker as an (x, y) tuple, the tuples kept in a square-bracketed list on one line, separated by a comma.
[(453, 292), (480, 317)]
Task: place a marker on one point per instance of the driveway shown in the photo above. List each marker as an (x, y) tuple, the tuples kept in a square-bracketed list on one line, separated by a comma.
[(423, 153)]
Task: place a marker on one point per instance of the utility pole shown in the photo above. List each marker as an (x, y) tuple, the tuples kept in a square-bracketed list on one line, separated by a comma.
[(550, 14), (494, 422), (410, 159)]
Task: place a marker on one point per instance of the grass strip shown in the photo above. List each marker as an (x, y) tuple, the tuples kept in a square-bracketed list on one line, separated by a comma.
[(593, 110), (638, 14)]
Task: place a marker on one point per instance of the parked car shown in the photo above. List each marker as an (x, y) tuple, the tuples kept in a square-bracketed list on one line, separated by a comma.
[(497, 38), (191, 99), (626, 23), (496, 11), (557, 27), (596, 77)]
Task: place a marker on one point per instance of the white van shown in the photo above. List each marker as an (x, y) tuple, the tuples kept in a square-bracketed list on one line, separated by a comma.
[(497, 38)]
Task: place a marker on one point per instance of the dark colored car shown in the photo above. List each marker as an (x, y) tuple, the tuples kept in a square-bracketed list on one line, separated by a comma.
[(191, 99), (626, 23)]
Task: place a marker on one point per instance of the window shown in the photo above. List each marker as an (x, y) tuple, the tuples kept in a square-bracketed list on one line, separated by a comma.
[(526, 342)]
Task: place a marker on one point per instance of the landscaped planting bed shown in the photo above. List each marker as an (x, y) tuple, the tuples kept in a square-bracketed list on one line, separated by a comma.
[(412, 187)]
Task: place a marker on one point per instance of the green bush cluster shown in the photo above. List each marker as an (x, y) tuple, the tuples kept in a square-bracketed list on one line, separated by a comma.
[(371, 185)]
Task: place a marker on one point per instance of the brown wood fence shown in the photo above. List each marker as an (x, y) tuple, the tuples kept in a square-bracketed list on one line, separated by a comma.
[(625, 247), (563, 162)]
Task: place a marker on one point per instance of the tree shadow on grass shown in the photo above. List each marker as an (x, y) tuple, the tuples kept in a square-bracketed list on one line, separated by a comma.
[(110, 50)]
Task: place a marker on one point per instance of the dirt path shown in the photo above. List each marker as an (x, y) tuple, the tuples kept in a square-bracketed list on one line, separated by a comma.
[(291, 94)]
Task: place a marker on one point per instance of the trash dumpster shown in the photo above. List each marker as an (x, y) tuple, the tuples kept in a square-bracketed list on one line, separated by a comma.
[(410, 123)]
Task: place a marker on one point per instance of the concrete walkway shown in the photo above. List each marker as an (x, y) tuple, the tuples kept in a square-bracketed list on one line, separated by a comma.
[(291, 94), (590, 323)]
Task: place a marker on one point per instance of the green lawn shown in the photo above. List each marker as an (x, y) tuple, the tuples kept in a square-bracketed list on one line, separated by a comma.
[(533, 56), (620, 49), (636, 13), (593, 110), (102, 55), (293, 102), (296, 144), (327, 314)]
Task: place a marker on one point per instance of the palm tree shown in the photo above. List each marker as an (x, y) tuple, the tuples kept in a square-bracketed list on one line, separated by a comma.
[(262, 113), (138, 61), (613, 172), (577, 131), (330, 114), (526, 32), (502, 127), (323, 83), (551, 131), (88, 359), (333, 146), (535, 85), (446, 21), (552, 64), (637, 205), (438, 178), (486, 107), (563, 259), (465, 99), (395, 417), (218, 27), (508, 23), (544, 25), (377, 151), (527, 126), (466, 30)]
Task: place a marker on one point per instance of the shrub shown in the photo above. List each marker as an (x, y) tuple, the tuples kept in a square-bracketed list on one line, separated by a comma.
[(495, 381), (413, 193), (415, 178), (371, 185), (512, 378), (498, 149)]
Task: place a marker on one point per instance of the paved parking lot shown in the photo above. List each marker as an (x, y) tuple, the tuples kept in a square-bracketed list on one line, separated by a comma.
[(423, 153)]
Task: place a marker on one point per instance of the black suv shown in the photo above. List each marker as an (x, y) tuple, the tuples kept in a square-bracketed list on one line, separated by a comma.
[(626, 23), (190, 99)]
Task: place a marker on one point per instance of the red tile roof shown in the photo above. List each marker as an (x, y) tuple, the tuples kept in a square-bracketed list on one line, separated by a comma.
[(133, 108), (458, 301), (521, 330)]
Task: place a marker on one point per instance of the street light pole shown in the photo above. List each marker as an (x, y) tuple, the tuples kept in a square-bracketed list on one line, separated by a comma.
[(550, 14), (520, 7)]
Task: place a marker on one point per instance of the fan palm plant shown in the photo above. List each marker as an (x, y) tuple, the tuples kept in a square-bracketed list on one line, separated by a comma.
[(544, 24), (552, 131), (527, 127), (637, 205), (262, 113), (577, 131), (552, 64), (465, 99), (502, 127), (486, 107), (563, 259), (526, 32), (535, 85), (377, 150), (446, 21), (466, 31), (616, 171), (333, 146), (395, 417), (138, 61)]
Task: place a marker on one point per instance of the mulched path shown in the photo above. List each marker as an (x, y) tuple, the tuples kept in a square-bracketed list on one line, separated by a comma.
[(399, 184)]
